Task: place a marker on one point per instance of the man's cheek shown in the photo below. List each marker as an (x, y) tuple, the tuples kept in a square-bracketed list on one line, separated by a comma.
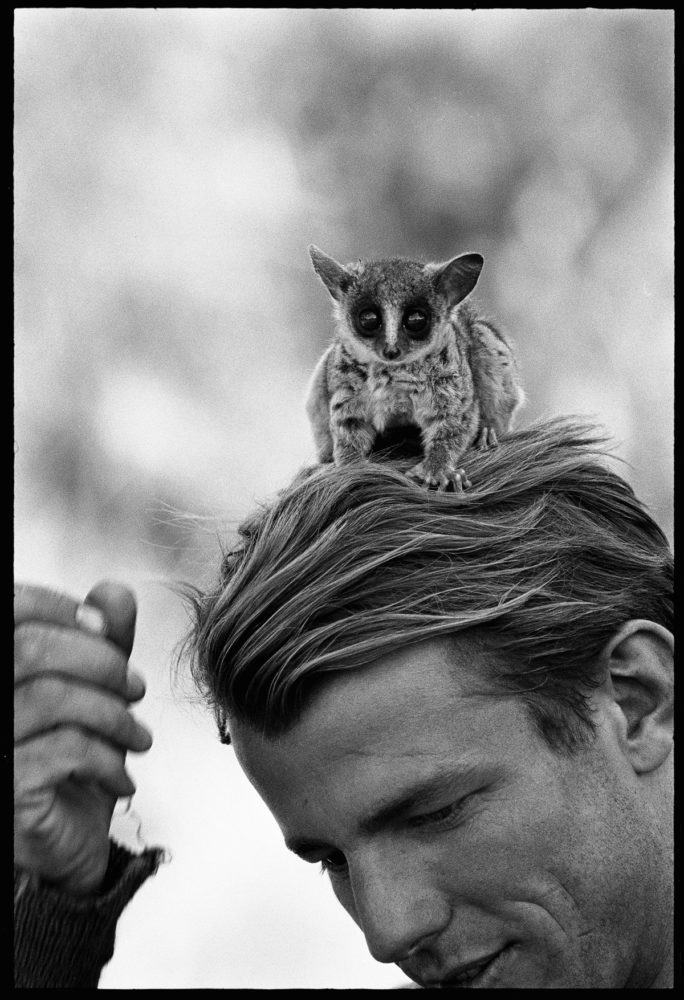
[(343, 891)]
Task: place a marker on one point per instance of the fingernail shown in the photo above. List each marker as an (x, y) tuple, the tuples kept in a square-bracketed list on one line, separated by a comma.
[(135, 685), (91, 619)]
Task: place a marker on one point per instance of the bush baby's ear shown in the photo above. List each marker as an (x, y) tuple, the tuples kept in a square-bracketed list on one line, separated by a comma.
[(458, 276), (640, 661), (333, 275)]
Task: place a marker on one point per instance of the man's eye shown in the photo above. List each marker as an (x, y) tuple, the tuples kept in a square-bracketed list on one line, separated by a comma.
[(369, 321), (416, 321), (439, 816), (335, 862)]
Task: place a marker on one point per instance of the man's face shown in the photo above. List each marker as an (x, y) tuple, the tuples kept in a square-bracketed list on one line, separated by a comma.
[(467, 851)]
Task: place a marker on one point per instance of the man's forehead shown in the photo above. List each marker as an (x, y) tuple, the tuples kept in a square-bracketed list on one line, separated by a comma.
[(405, 705)]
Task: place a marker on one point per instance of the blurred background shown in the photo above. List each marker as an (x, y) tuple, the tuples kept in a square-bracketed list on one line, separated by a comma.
[(171, 167)]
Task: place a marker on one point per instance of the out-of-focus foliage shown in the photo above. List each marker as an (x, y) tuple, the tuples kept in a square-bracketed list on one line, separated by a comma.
[(171, 167)]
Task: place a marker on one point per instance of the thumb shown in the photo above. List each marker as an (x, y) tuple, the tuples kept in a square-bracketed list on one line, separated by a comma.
[(117, 603)]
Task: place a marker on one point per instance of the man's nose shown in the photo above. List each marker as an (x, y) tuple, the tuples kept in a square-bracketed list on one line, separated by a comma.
[(397, 912)]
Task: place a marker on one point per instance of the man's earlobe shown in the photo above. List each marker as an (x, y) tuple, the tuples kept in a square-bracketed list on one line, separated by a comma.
[(640, 661)]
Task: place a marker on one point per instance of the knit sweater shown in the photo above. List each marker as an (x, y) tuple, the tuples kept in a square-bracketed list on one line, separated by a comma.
[(63, 941)]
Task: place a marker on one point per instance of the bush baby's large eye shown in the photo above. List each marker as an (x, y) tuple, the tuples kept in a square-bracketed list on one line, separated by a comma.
[(417, 322), (369, 321)]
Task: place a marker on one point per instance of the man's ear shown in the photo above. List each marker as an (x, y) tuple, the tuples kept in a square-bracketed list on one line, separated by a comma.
[(640, 661)]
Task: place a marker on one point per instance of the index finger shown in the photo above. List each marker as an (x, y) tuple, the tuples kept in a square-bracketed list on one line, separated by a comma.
[(32, 603)]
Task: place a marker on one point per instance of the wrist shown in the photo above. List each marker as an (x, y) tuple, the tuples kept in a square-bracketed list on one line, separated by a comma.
[(63, 940)]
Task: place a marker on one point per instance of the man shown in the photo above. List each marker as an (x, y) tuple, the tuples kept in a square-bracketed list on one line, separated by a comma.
[(460, 704)]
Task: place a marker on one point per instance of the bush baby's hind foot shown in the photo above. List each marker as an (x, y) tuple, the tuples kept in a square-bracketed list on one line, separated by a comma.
[(441, 479)]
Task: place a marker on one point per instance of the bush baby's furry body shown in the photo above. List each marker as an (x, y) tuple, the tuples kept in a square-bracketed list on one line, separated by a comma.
[(411, 350)]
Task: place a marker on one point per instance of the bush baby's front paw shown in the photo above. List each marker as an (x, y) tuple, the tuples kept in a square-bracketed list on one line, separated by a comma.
[(487, 439)]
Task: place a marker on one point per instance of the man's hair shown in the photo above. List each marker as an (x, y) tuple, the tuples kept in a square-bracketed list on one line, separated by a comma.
[(538, 563)]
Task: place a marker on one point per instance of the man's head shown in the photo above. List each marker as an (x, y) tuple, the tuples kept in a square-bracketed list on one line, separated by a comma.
[(461, 704), (536, 567)]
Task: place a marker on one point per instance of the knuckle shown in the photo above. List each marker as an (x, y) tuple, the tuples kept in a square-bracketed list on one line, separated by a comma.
[(51, 690), (29, 645), (73, 743), (39, 703), (50, 694)]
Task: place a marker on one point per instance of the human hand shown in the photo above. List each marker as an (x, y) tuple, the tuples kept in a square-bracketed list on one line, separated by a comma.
[(72, 729)]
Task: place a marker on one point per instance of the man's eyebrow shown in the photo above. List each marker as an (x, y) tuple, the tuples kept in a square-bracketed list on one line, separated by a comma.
[(417, 795)]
